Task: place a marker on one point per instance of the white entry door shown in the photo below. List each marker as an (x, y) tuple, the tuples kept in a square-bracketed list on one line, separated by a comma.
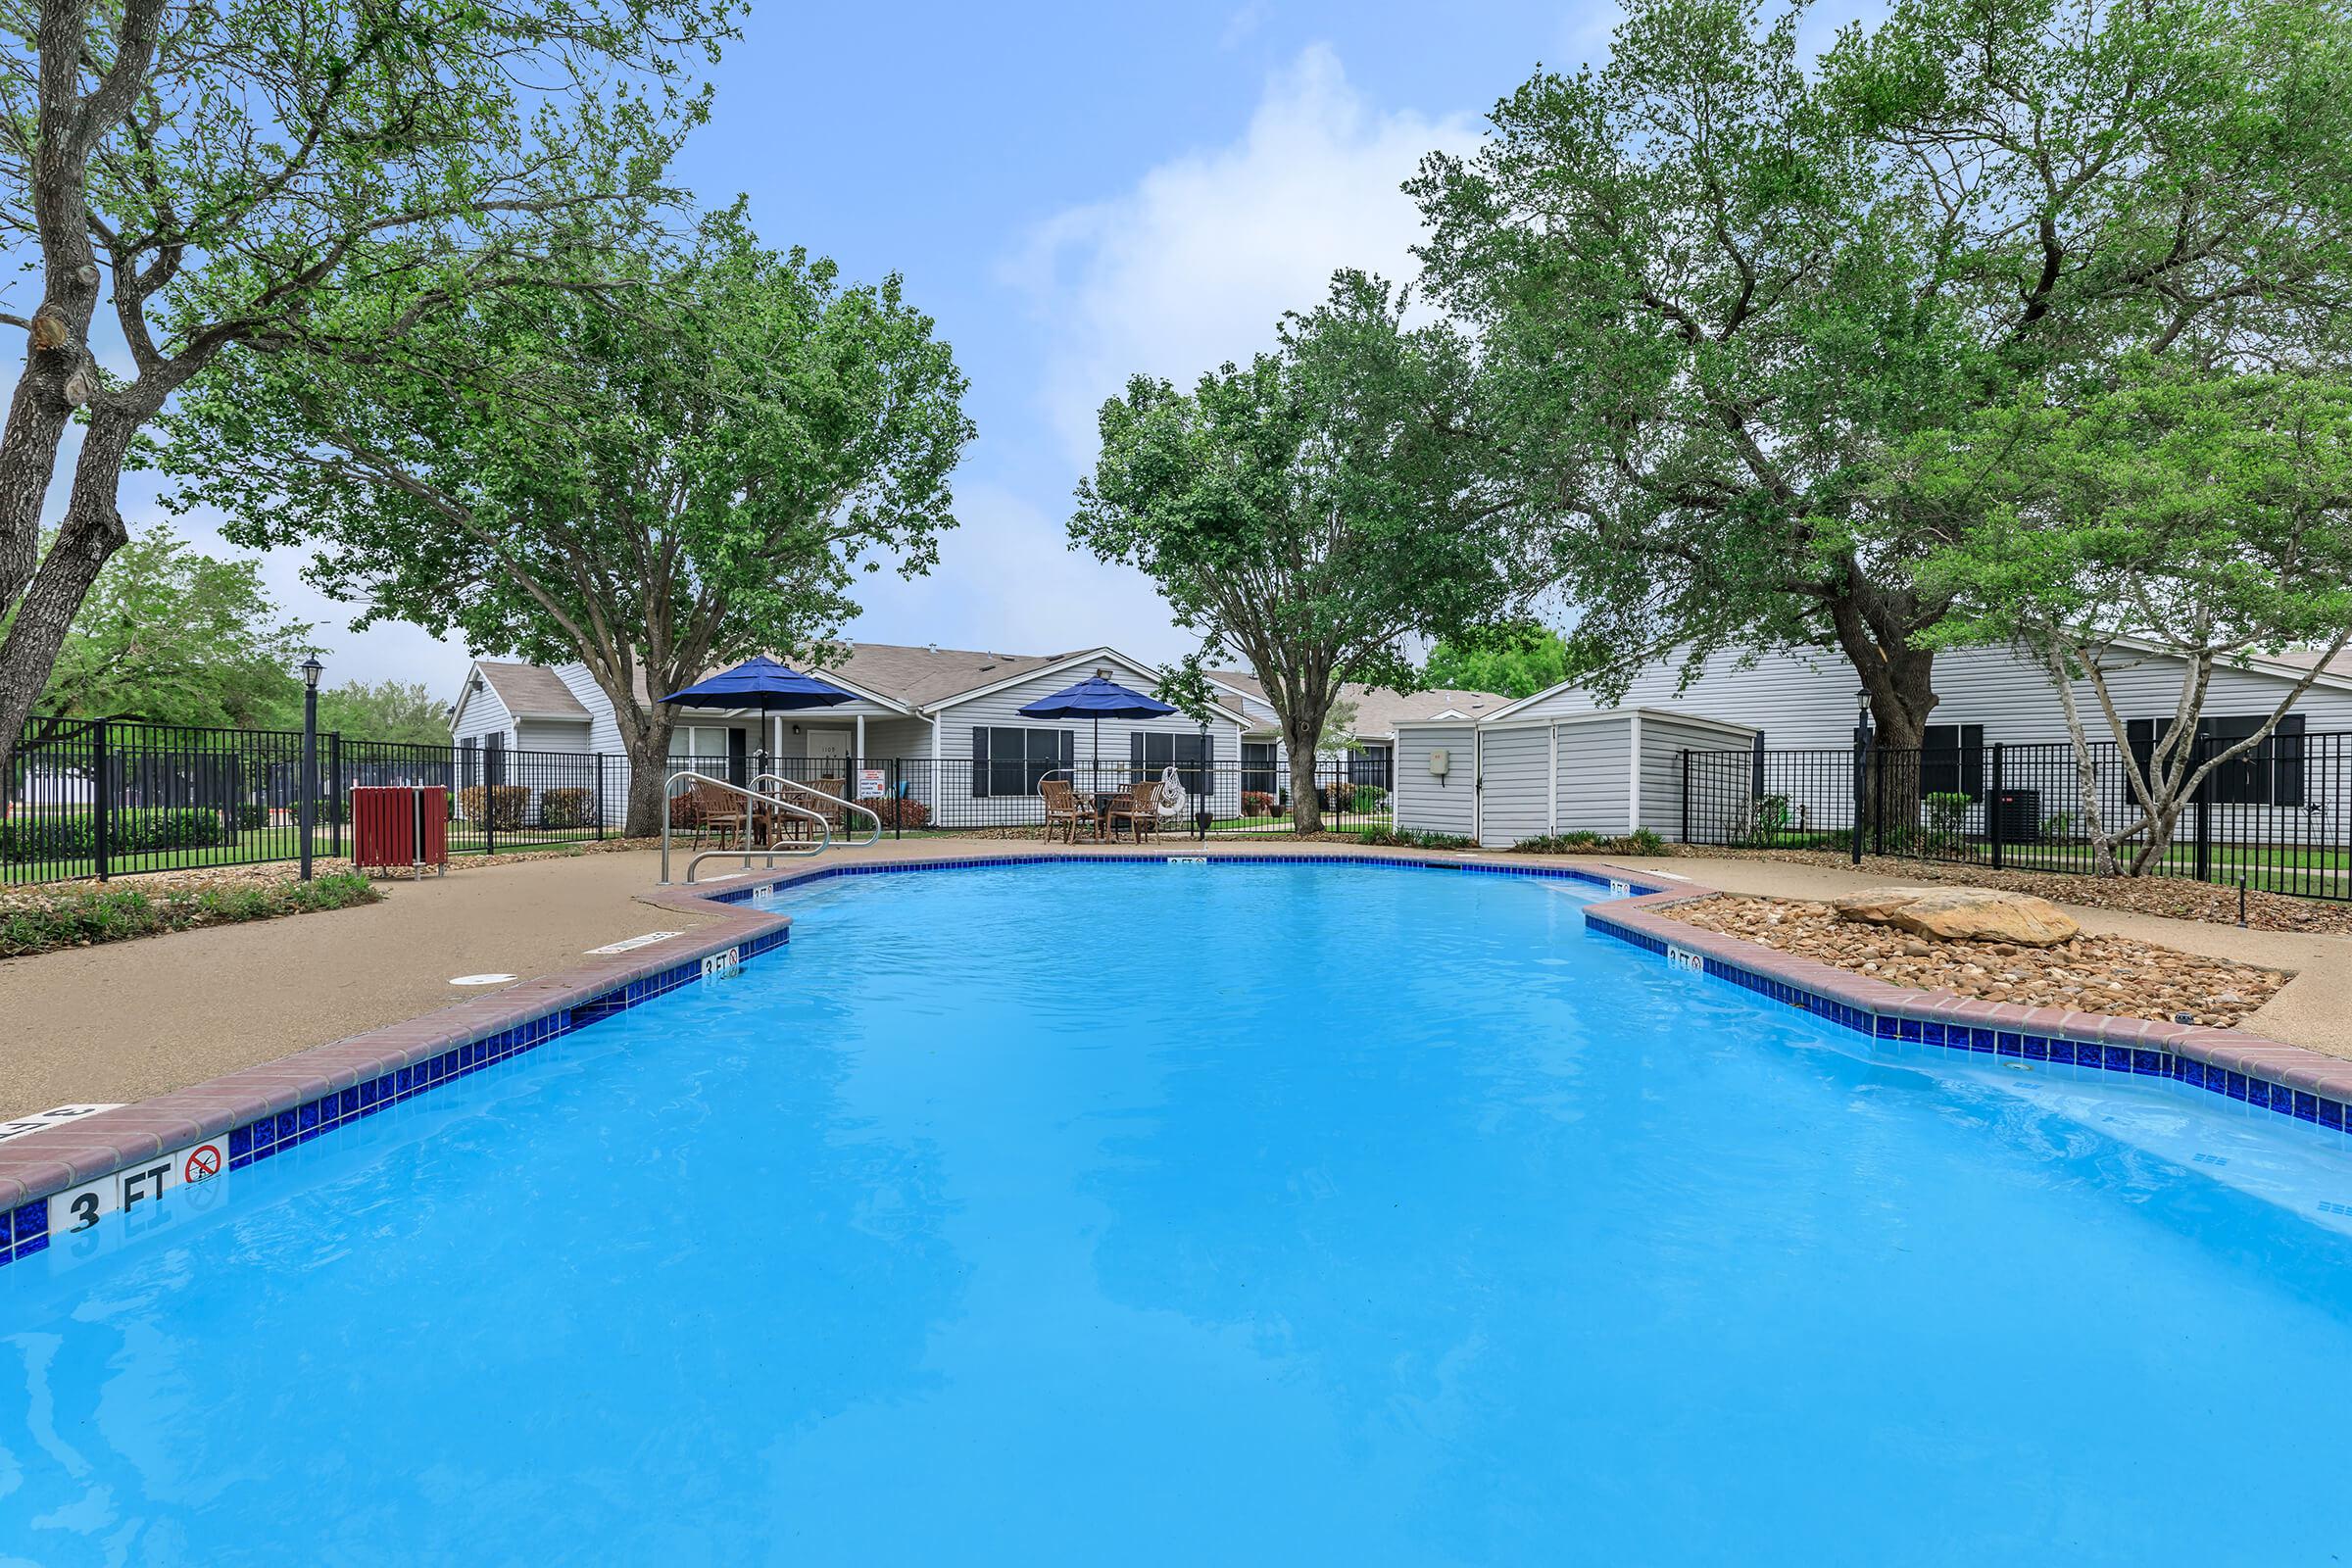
[(829, 752)]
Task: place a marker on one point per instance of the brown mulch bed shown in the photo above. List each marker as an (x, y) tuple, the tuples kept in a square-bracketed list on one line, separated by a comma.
[(2113, 975), (2178, 898)]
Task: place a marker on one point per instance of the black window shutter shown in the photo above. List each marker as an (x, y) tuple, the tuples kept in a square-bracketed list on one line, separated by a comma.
[(1069, 747), (979, 761), (1972, 761), (2288, 766), (2141, 734)]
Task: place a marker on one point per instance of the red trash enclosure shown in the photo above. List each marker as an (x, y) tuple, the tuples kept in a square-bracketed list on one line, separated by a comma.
[(400, 825)]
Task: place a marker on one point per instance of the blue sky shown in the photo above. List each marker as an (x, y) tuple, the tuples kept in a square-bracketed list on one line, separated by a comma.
[(1075, 193)]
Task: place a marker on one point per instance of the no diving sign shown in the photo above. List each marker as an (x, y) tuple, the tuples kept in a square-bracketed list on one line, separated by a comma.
[(136, 1186)]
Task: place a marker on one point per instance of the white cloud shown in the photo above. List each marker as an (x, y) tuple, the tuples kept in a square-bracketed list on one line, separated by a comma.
[(1195, 262), (1009, 580)]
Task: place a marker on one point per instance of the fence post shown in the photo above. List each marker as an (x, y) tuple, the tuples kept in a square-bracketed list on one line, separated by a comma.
[(1998, 801), (898, 799), (599, 797), (1686, 796), (334, 772), (101, 826), (1861, 796)]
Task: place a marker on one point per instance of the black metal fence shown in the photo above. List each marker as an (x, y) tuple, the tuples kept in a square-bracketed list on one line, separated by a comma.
[(2279, 819), (964, 794), (100, 798)]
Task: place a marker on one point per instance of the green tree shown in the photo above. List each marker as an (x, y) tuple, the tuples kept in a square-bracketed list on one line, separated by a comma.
[(171, 634), (1515, 661), (406, 711), (227, 174), (1717, 289), (648, 485), (1310, 510), (2207, 515)]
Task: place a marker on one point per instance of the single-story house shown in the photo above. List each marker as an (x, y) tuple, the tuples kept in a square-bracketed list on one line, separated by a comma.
[(1371, 758), (938, 726), (1804, 707)]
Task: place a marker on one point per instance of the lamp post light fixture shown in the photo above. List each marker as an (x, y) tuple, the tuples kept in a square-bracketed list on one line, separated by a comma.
[(308, 815)]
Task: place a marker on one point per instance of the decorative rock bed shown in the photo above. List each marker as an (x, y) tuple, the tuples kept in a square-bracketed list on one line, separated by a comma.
[(2109, 974)]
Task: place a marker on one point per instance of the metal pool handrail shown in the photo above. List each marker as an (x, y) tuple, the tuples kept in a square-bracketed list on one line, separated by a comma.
[(873, 816), (669, 793)]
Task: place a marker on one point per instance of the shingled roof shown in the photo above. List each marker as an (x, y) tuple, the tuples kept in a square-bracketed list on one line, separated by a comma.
[(1379, 710), (530, 691)]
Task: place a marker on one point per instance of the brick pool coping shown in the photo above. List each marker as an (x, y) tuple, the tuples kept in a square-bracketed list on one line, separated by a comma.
[(341, 1081), (2319, 1088)]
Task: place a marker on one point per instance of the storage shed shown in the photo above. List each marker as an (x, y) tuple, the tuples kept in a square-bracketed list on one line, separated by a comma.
[(1512, 778)]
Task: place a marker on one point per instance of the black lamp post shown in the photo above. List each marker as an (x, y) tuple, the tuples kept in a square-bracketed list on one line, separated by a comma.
[(312, 669)]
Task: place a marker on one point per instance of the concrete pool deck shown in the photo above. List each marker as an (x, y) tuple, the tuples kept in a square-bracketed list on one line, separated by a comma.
[(126, 1021)]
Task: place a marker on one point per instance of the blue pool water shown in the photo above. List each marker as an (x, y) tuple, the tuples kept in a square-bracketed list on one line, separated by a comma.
[(1185, 1214)]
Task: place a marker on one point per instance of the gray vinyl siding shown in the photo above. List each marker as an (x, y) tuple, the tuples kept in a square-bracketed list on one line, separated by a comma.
[(482, 716), (551, 735), (1595, 769), (958, 720), (1514, 778), (1807, 700), (1663, 742), (1425, 803)]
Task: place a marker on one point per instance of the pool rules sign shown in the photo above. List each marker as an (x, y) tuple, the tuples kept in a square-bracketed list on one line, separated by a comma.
[(133, 1187)]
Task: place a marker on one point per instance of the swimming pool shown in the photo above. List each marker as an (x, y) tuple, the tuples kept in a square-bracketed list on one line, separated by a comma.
[(1178, 1214)]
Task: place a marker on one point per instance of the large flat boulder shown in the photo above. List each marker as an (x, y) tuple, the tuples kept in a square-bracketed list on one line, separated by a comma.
[(1963, 914), (1877, 906)]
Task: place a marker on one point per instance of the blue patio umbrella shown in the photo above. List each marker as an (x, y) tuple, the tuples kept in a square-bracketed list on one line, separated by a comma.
[(1097, 697), (760, 682)]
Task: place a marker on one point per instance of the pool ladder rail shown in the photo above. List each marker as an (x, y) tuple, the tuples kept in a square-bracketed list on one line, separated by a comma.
[(755, 798)]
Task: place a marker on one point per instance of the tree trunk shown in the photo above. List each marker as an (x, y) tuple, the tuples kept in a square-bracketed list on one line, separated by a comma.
[(644, 741), (1300, 732), (87, 536), (649, 790)]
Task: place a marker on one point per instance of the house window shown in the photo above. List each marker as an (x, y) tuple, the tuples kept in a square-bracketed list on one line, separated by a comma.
[(1257, 768), (1952, 760), (2271, 774), (1369, 764), (1150, 752), (1014, 761)]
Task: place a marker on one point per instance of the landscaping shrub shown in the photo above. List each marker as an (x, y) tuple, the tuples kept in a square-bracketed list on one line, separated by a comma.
[(1578, 840), (77, 916), (1641, 841), (1408, 839), (506, 803), (74, 835), (251, 816), (1370, 798), (1257, 802), (901, 813), (566, 808)]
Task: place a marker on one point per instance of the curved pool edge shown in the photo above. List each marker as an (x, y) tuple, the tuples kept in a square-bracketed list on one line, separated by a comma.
[(250, 1116)]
